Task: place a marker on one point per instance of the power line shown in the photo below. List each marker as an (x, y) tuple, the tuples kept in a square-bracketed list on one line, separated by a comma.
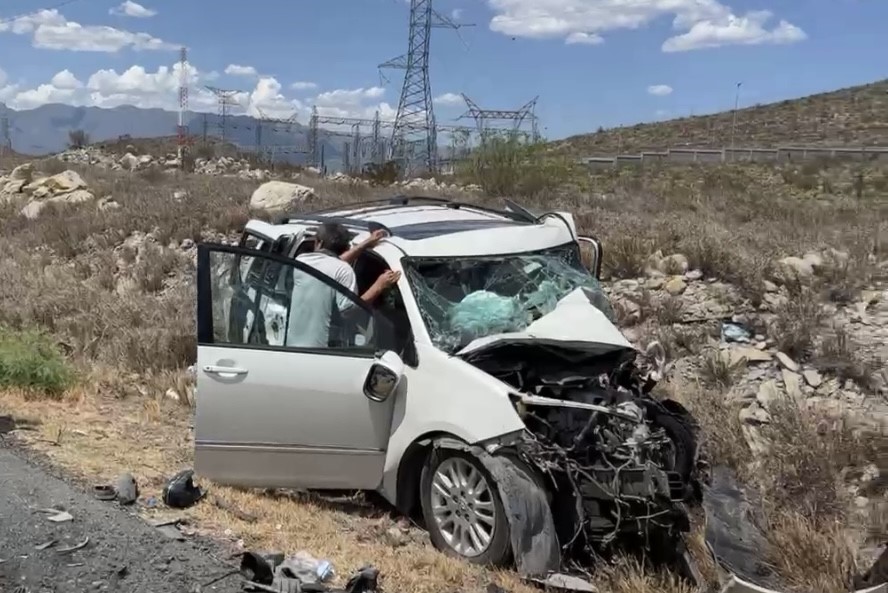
[(38, 11)]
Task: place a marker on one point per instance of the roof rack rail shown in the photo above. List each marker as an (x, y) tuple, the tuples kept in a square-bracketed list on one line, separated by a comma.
[(517, 214), (345, 221)]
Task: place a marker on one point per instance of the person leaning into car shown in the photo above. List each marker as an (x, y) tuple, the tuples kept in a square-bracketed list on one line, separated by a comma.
[(311, 305)]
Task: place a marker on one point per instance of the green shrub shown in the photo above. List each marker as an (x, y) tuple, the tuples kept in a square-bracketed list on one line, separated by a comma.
[(505, 165), (29, 360)]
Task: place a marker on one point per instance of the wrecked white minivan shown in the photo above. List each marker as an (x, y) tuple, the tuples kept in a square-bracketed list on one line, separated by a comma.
[(489, 393)]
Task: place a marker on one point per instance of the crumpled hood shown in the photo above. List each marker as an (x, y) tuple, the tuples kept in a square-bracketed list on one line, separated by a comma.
[(574, 323)]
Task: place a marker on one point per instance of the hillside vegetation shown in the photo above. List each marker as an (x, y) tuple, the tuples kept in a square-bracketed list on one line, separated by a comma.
[(851, 116), (101, 292)]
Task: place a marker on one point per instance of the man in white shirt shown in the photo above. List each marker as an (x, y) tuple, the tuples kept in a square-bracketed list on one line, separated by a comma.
[(311, 306)]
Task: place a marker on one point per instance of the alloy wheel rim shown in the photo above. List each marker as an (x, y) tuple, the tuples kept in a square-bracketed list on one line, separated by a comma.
[(463, 507)]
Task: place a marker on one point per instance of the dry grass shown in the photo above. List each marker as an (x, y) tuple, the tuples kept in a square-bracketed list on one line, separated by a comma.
[(130, 310), (837, 355)]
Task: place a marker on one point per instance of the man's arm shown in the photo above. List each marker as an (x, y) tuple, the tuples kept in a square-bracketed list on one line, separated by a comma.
[(352, 254), (385, 280)]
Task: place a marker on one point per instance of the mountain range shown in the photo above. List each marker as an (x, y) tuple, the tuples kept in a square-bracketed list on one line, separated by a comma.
[(44, 130)]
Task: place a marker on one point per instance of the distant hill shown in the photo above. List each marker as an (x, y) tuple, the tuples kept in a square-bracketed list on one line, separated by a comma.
[(852, 116), (44, 130)]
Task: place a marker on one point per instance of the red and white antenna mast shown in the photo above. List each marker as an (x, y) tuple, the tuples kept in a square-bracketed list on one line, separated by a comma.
[(182, 130)]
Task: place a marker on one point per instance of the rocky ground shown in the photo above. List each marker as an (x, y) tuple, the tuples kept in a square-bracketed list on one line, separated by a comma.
[(771, 301)]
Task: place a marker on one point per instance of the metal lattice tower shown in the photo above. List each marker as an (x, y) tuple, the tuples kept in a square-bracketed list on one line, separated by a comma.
[(414, 138), (182, 129), (5, 140), (226, 100), (518, 117)]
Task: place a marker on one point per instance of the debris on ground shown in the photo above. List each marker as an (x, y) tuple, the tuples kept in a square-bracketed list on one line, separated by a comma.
[(78, 546), (230, 508), (57, 515), (181, 492), (302, 572), (127, 489)]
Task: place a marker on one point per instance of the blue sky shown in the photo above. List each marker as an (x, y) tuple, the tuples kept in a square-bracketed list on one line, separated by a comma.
[(591, 62)]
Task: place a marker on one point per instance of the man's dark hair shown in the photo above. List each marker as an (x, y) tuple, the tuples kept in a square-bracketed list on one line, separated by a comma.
[(334, 237)]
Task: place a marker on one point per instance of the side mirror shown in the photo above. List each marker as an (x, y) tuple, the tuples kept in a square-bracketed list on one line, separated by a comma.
[(591, 255), (384, 377)]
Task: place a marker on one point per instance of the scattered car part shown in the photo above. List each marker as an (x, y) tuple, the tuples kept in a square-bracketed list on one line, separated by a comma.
[(104, 492), (180, 492), (46, 545), (127, 489), (75, 547)]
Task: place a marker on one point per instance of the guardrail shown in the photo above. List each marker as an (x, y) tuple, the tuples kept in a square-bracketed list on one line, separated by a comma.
[(781, 154)]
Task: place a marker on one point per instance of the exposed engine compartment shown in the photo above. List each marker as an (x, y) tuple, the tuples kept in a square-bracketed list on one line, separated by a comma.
[(619, 463)]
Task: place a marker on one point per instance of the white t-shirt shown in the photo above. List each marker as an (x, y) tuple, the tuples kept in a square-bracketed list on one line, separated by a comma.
[(311, 304)]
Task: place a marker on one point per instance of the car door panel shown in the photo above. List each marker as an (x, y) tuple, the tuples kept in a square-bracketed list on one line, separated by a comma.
[(273, 416)]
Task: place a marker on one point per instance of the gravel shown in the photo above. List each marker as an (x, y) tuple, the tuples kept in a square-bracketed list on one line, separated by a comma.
[(124, 553)]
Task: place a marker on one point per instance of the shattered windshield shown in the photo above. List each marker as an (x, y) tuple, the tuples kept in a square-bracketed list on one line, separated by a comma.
[(465, 298)]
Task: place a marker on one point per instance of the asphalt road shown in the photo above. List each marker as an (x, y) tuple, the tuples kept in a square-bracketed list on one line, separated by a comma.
[(124, 553)]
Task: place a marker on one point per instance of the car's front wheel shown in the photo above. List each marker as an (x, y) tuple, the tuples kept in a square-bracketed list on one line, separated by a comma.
[(462, 509)]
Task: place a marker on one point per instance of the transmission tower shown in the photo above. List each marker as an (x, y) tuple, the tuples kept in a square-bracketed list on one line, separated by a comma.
[(414, 139), (517, 117), (181, 129), (5, 140), (226, 100)]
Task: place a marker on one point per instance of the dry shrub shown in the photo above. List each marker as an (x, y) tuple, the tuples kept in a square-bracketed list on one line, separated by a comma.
[(810, 554), (718, 371), (627, 256), (681, 340), (837, 355), (723, 442), (631, 575), (809, 453), (797, 323), (51, 166), (156, 266), (669, 310)]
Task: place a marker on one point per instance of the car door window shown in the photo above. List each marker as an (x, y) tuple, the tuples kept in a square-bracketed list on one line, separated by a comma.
[(288, 305)]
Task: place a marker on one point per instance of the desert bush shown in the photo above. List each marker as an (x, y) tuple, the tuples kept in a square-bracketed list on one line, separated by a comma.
[(838, 356), (153, 174), (802, 468), (381, 174), (157, 264), (29, 360), (626, 256), (717, 370), (797, 323), (506, 166)]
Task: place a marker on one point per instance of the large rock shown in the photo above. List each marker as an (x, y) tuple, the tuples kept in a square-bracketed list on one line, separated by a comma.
[(33, 208), (22, 173), (63, 183), (794, 269), (277, 196), (129, 161)]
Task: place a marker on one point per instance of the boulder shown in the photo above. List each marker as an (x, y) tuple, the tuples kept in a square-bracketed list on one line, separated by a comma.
[(33, 208), (674, 264), (129, 161), (277, 196), (63, 183), (676, 286), (787, 363), (23, 173), (794, 269), (812, 378)]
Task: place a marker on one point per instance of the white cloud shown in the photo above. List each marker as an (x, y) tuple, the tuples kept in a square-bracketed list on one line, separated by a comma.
[(66, 80), (699, 23), (145, 88), (354, 103), (303, 85), (449, 99), (456, 14), (660, 90), (238, 70), (2, 78), (583, 38), (748, 30), (50, 30), (133, 9)]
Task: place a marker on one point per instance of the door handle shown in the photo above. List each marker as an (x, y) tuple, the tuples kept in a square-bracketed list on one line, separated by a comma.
[(217, 370)]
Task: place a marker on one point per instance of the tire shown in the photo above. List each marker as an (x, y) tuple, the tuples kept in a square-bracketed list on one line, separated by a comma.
[(444, 534), (683, 439)]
